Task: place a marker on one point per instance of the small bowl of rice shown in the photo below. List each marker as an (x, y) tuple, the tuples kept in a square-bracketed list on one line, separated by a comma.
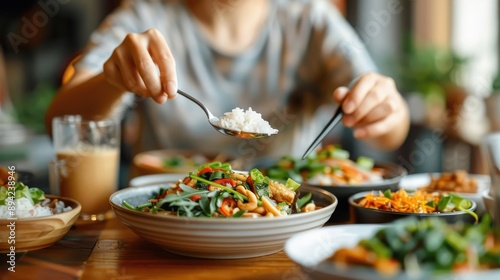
[(36, 226)]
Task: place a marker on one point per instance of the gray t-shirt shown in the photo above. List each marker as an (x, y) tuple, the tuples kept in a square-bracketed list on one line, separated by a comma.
[(305, 50)]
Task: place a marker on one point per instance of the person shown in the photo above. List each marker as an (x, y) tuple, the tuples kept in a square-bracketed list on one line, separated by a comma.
[(7, 112), (290, 60)]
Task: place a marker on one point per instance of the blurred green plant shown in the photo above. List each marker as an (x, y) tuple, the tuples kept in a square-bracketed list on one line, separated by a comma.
[(495, 87), (429, 70), (31, 107)]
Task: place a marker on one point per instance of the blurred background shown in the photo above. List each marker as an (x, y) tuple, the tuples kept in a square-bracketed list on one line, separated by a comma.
[(444, 56)]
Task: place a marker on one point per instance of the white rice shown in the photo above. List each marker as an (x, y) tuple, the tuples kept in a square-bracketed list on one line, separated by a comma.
[(24, 209), (246, 121)]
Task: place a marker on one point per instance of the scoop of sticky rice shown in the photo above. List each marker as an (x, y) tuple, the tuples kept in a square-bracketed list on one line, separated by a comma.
[(247, 121), (24, 209)]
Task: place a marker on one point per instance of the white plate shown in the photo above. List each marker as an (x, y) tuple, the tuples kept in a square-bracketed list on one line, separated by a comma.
[(308, 249), (414, 181), (321, 243)]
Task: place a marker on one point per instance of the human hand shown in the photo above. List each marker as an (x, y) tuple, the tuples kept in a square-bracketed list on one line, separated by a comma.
[(373, 107), (132, 66)]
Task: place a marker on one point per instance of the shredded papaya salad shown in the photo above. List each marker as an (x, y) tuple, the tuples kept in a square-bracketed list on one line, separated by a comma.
[(418, 202), (215, 190)]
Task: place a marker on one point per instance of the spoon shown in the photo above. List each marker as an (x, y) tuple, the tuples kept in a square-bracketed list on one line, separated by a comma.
[(214, 121), (337, 116)]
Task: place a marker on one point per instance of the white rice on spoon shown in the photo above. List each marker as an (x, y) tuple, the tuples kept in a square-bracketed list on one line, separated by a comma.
[(246, 121)]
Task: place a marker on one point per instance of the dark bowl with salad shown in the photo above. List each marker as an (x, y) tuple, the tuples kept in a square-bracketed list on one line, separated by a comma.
[(388, 206), (330, 168)]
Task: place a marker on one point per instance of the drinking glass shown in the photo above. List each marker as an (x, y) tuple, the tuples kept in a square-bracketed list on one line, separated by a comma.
[(86, 162), (491, 151)]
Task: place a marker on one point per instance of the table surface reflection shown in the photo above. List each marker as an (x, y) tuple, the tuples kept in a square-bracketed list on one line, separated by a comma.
[(110, 250)]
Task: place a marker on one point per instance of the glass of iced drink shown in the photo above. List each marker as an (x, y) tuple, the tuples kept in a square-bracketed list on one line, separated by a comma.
[(86, 163)]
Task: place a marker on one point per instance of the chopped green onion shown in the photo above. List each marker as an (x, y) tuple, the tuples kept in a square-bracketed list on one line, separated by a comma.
[(301, 202), (216, 175), (463, 204), (148, 204), (365, 162), (238, 214), (443, 203), (173, 161), (388, 193), (377, 247), (456, 241), (237, 194), (217, 164), (339, 154), (431, 203), (291, 184), (128, 205)]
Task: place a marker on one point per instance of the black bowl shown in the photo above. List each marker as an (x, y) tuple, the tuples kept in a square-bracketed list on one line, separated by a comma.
[(343, 192), (363, 215)]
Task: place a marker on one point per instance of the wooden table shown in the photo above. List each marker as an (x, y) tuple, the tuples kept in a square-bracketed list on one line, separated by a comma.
[(109, 250)]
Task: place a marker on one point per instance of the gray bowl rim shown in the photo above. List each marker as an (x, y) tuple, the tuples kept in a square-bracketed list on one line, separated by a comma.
[(359, 195), (399, 169)]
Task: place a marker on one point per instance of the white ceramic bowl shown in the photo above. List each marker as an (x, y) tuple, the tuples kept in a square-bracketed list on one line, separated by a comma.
[(39, 232), (489, 202), (309, 249), (216, 238), (414, 181)]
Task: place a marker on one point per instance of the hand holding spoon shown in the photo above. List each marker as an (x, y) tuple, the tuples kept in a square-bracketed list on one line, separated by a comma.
[(215, 122)]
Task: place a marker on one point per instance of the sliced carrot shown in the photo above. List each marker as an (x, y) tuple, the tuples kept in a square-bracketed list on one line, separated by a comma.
[(205, 170), (226, 181), (195, 197)]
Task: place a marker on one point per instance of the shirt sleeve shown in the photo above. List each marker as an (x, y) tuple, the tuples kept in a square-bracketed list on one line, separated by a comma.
[(344, 56), (115, 27)]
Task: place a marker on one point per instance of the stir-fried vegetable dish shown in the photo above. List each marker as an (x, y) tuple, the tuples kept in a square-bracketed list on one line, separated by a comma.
[(457, 181), (180, 160), (328, 166), (215, 190), (420, 247), (417, 202)]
